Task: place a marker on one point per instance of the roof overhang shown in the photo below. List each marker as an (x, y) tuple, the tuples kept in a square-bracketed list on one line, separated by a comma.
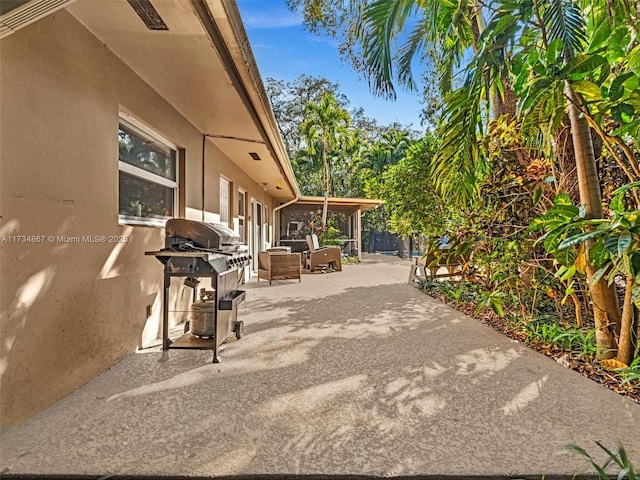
[(203, 66)]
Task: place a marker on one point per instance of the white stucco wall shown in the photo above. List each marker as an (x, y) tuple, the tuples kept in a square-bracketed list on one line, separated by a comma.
[(70, 310)]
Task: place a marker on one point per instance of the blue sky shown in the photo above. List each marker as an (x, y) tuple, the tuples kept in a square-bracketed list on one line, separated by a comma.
[(284, 50)]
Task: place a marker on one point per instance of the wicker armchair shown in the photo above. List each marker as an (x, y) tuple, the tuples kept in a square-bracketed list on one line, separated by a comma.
[(278, 266), (330, 256)]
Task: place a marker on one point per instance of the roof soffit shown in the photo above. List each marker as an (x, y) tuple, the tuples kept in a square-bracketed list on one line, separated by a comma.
[(182, 65)]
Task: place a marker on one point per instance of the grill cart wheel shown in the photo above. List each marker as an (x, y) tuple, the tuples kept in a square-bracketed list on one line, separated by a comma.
[(186, 326), (239, 330)]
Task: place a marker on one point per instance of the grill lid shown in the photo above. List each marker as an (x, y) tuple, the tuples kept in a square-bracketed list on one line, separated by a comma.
[(201, 234)]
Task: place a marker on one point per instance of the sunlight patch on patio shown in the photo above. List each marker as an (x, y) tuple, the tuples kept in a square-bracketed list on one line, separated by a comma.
[(483, 362), (525, 396)]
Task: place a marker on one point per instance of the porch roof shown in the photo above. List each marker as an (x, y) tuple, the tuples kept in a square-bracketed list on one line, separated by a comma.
[(340, 203)]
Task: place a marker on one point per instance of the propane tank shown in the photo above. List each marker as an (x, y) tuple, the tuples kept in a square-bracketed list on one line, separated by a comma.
[(202, 322)]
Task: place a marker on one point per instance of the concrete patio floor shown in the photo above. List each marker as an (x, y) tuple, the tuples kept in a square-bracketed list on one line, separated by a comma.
[(352, 372)]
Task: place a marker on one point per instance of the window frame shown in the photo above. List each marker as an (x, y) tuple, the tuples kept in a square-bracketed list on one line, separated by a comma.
[(267, 224), (242, 214), (143, 131), (227, 209)]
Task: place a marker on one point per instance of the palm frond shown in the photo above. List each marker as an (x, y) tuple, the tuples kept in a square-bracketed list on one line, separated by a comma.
[(458, 160), (381, 21), (563, 19), (416, 42)]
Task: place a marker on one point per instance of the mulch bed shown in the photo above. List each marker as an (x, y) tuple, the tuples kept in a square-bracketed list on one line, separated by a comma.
[(564, 357)]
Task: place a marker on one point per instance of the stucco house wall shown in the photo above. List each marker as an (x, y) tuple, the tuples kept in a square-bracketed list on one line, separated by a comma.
[(70, 310)]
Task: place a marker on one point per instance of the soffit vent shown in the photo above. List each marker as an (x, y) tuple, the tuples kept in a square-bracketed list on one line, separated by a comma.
[(149, 15), (20, 14), (255, 156)]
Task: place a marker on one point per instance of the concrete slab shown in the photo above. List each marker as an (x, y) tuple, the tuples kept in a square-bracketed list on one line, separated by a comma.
[(352, 372)]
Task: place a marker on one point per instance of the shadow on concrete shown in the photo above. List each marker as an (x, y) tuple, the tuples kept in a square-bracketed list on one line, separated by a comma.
[(304, 477), (362, 381)]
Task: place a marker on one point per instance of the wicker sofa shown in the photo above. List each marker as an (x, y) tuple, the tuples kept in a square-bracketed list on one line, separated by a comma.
[(279, 266)]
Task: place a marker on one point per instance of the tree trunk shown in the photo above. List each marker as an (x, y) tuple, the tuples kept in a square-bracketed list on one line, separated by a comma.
[(606, 312), (495, 104), (509, 100), (636, 332), (563, 149), (627, 329), (325, 203)]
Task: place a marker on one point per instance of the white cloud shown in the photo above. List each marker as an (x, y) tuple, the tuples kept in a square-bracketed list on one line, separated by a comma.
[(264, 20), (332, 42), (264, 46)]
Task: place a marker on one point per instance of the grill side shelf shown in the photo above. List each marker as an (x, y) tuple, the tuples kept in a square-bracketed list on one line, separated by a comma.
[(237, 296)]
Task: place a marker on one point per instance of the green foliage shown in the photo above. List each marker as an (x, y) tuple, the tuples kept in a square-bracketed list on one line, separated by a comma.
[(365, 151), (288, 100), (579, 340), (625, 469), (615, 247), (454, 292), (330, 235), (457, 170), (351, 260), (533, 49), (631, 374), (550, 330), (410, 201), (544, 329), (360, 152), (461, 292), (484, 182), (493, 300), (326, 131), (595, 55)]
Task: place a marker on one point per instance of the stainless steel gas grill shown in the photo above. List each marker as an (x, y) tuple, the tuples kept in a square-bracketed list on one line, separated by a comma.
[(195, 250)]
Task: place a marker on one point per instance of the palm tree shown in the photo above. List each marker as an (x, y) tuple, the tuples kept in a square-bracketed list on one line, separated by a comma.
[(448, 31), (451, 27), (387, 151), (307, 165), (550, 30), (325, 127), (564, 21)]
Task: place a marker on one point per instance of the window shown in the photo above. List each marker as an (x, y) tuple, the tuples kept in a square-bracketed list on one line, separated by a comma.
[(148, 177), (241, 213), (224, 201)]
